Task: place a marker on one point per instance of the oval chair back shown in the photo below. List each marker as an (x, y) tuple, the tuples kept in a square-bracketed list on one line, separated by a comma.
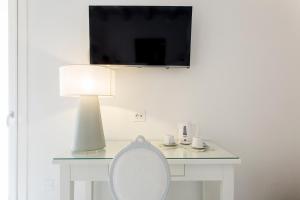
[(139, 172)]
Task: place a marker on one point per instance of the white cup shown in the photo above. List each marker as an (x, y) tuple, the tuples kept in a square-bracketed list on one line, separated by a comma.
[(169, 140), (197, 143)]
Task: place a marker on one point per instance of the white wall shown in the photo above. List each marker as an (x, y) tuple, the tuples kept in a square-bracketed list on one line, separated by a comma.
[(243, 89)]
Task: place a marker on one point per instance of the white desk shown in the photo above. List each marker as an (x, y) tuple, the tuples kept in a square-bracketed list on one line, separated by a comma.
[(186, 164)]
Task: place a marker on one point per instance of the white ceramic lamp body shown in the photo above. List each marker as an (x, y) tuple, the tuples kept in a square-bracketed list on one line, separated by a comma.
[(87, 82)]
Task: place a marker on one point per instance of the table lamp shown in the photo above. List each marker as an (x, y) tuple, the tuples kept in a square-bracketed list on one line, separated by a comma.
[(87, 82)]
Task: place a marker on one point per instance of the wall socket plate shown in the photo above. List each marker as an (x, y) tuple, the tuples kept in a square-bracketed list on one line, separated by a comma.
[(139, 116)]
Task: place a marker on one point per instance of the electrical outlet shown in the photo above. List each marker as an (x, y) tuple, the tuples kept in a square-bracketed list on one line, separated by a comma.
[(139, 116)]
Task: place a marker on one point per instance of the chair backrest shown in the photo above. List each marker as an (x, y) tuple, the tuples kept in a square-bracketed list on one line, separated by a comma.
[(139, 172)]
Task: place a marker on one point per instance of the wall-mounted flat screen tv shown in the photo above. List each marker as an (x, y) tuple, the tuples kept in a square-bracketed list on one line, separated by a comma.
[(140, 35)]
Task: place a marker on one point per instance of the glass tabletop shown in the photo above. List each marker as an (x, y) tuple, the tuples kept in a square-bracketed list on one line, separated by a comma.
[(179, 151)]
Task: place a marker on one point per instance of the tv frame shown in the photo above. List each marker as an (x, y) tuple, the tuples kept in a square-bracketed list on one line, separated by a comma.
[(94, 3)]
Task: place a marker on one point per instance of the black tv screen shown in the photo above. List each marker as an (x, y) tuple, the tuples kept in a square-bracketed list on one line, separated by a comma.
[(140, 35)]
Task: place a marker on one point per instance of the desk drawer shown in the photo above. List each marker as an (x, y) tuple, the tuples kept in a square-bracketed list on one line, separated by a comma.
[(100, 172), (177, 170), (85, 172)]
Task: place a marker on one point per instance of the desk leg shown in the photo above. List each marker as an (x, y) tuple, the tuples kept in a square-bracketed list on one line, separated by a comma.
[(66, 185), (203, 190), (89, 190), (227, 185)]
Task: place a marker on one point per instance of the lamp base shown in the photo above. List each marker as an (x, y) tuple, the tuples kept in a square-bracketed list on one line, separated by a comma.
[(89, 134)]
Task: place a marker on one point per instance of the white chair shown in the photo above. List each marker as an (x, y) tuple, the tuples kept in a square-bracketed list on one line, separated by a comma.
[(139, 172)]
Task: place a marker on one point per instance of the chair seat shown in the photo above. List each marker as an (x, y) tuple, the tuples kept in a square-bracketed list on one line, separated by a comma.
[(139, 172)]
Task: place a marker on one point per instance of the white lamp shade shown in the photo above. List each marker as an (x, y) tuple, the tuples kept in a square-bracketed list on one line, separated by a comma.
[(77, 80)]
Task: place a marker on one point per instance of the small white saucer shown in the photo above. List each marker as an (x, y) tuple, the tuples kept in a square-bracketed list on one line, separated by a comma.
[(170, 145), (204, 148)]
